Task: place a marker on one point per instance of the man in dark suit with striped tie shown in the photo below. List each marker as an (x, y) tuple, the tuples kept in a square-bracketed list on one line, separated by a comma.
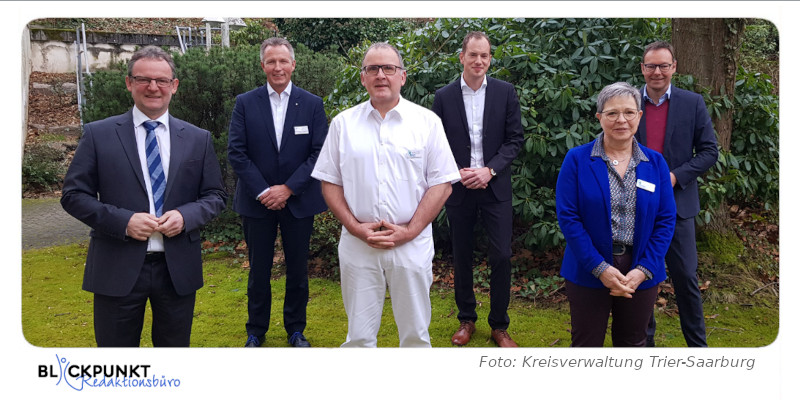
[(145, 182)]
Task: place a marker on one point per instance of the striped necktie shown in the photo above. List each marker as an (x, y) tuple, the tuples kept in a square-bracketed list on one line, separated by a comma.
[(158, 181)]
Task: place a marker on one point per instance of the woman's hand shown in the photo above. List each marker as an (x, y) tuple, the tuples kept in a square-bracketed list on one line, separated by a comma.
[(617, 283), (634, 278)]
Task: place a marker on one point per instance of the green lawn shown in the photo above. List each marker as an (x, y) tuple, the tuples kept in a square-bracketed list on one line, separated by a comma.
[(57, 313)]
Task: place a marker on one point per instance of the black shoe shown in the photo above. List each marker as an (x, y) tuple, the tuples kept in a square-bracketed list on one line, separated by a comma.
[(651, 342), (254, 341), (298, 340)]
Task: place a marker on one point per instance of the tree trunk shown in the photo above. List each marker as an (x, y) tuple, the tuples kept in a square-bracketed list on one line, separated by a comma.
[(708, 49)]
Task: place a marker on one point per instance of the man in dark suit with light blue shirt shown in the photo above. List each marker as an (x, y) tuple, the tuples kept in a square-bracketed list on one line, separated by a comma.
[(481, 117), (275, 136), (145, 182), (676, 124)]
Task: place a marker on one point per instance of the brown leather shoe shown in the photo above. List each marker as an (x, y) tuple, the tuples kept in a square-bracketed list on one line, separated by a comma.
[(464, 333), (502, 339)]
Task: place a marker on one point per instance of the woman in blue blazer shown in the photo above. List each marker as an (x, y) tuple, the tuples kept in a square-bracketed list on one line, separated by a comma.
[(616, 209)]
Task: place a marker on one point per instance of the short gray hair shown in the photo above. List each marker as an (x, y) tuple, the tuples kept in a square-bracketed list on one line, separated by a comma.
[(152, 53), (618, 89), (274, 42), (383, 45)]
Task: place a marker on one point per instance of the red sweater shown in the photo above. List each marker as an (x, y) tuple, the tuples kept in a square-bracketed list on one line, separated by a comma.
[(656, 124)]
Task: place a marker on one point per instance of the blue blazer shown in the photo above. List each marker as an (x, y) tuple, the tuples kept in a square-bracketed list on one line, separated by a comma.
[(583, 206), (105, 186), (254, 156), (690, 146), (502, 133)]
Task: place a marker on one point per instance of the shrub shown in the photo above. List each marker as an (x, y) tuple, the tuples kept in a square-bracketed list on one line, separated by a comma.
[(42, 167), (320, 34)]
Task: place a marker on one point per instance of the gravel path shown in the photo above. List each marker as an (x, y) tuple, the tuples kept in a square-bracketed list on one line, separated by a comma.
[(45, 224)]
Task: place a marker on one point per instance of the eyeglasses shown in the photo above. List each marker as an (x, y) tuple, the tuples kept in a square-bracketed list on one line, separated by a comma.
[(143, 81), (613, 115), (652, 67), (388, 69)]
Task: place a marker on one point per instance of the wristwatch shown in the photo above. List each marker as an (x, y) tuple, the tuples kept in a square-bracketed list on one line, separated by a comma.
[(491, 171)]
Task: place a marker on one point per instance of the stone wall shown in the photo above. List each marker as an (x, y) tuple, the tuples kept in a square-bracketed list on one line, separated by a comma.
[(55, 50)]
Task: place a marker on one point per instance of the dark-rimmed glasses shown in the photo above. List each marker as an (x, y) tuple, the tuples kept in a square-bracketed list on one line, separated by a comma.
[(388, 69), (144, 81), (652, 67), (613, 115)]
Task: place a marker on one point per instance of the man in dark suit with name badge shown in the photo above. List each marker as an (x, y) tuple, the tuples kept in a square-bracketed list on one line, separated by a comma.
[(275, 136), (676, 124), (481, 117), (145, 182)]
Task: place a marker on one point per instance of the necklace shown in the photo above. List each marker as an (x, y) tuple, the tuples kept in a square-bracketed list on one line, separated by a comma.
[(616, 162)]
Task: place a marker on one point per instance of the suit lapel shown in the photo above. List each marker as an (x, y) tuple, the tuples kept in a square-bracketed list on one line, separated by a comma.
[(292, 108), (674, 103), (644, 172), (266, 115), (488, 109), (126, 133), (176, 153), (462, 110), (600, 172)]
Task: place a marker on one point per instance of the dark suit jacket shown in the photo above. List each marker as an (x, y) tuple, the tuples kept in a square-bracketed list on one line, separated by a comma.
[(583, 206), (254, 155), (105, 186), (690, 146), (502, 132)]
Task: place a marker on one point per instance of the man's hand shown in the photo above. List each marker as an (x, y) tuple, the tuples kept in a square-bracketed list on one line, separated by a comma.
[(141, 226), (390, 237), (616, 282), (275, 198), (475, 178), (170, 223), (673, 179)]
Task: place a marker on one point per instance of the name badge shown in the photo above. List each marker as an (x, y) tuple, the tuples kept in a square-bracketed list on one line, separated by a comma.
[(645, 185), (301, 130)]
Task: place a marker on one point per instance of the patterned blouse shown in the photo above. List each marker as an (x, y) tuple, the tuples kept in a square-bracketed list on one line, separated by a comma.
[(623, 199)]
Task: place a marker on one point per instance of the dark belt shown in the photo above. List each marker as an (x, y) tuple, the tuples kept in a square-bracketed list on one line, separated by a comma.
[(154, 256), (619, 249)]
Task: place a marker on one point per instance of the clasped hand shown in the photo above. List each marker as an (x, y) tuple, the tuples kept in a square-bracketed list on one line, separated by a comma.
[(622, 285), (383, 235), (475, 178), (275, 198), (142, 225)]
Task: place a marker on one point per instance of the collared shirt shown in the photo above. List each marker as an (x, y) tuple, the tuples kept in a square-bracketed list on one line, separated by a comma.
[(279, 102), (623, 198), (385, 165), (474, 103), (664, 97), (156, 241)]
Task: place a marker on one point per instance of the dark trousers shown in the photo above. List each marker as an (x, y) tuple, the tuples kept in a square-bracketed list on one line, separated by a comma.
[(496, 217), (682, 266), (589, 309), (260, 235), (118, 321)]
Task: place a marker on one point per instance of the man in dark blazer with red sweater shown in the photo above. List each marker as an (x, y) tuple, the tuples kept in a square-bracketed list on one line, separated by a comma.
[(275, 136), (676, 124), (144, 246), (481, 117)]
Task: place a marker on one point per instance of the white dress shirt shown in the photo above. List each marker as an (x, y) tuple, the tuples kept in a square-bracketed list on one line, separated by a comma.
[(279, 103), (474, 103), (156, 241), (385, 165)]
